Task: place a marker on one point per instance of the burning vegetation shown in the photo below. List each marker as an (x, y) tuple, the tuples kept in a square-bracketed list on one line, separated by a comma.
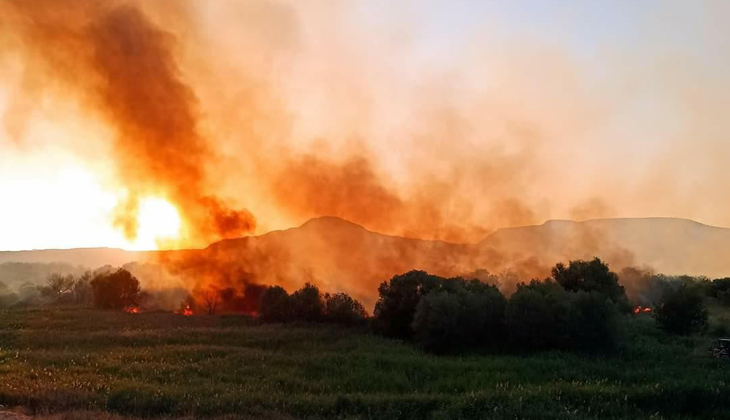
[(642, 310)]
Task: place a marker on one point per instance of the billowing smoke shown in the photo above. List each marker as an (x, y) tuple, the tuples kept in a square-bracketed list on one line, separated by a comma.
[(110, 55), (294, 110)]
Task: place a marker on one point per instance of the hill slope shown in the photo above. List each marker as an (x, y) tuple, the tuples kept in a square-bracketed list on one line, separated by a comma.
[(342, 256), (672, 246)]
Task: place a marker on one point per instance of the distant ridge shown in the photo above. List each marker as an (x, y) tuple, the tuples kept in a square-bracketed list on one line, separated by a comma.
[(341, 255)]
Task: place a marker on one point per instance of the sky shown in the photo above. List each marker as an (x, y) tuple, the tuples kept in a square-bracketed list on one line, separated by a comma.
[(433, 119)]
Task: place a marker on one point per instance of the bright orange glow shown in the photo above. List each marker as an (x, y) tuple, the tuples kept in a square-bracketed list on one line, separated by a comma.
[(641, 309), (185, 311), (159, 221), (131, 310)]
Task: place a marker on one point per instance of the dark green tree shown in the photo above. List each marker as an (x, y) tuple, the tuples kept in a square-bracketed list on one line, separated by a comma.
[(115, 290), (459, 316), (591, 276), (398, 300), (593, 322), (342, 309), (682, 311), (307, 304), (275, 305), (538, 316)]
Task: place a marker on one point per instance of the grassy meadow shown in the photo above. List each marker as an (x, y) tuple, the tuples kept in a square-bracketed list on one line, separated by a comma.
[(73, 363)]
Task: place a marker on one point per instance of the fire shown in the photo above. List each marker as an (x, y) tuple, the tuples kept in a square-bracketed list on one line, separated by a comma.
[(158, 220), (641, 309), (185, 311), (131, 309)]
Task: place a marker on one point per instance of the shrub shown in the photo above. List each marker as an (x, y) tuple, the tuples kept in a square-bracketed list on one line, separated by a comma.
[(591, 276), (593, 323), (720, 289), (115, 290), (341, 309), (57, 285), (538, 316), (275, 305), (81, 289), (398, 300), (720, 329), (682, 311), (458, 317), (307, 304)]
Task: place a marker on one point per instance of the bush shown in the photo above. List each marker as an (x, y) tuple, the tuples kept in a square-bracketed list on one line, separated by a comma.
[(682, 311), (115, 290), (593, 322), (591, 276), (81, 289), (341, 309), (720, 289), (57, 285), (538, 316), (307, 304), (398, 300), (458, 317), (275, 305)]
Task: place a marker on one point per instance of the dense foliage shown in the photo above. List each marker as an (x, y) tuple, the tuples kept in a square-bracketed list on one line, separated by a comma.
[(590, 276), (458, 317), (682, 311), (115, 289), (309, 305), (399, 297), (275, 305), (342, 309)]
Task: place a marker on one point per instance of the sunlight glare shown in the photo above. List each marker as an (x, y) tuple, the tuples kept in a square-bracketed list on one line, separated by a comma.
[(159, 221)]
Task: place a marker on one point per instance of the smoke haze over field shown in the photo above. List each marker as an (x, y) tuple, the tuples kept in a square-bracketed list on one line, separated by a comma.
[(433, 120)]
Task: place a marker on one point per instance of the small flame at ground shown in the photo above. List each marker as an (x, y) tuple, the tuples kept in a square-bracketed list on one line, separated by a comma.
[(185, 311), (131, 309), (641, 309)]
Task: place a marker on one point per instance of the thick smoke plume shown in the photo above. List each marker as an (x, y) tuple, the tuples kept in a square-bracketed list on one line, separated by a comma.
[(112, 56), (296, 110)]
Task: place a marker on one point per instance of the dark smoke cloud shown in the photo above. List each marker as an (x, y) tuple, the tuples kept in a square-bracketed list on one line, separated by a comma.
[(111, 55)]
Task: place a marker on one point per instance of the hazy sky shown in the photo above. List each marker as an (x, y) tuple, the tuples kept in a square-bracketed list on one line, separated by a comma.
[(476, 114)]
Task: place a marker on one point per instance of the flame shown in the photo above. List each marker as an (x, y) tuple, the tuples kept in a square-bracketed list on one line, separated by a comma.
[(158, 220), (641, 309), (186, 311), (131, 309)]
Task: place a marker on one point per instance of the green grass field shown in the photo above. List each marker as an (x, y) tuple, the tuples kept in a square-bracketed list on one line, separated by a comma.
[(66, 363)]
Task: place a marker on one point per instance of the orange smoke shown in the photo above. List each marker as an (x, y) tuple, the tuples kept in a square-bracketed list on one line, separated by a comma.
[(112, 56)]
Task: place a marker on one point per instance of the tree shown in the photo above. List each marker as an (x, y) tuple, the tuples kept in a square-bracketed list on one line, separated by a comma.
[(538, 316), (590, 276), (57, 285), (398, 300), (81, 289), (307, 304), (275, 305), (459, 316), (115, 290), (720, 289), (682, 311), (211, 298), (342, 309), (593, 322)]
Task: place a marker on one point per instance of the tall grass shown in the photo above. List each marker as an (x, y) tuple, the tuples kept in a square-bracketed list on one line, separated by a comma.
[(64, 360)]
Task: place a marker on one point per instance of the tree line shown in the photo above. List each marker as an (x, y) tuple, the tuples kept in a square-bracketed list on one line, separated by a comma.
[(578, 307)]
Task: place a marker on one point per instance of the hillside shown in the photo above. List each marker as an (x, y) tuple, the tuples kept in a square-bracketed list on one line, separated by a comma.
[(342, 256), (668, 245)]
